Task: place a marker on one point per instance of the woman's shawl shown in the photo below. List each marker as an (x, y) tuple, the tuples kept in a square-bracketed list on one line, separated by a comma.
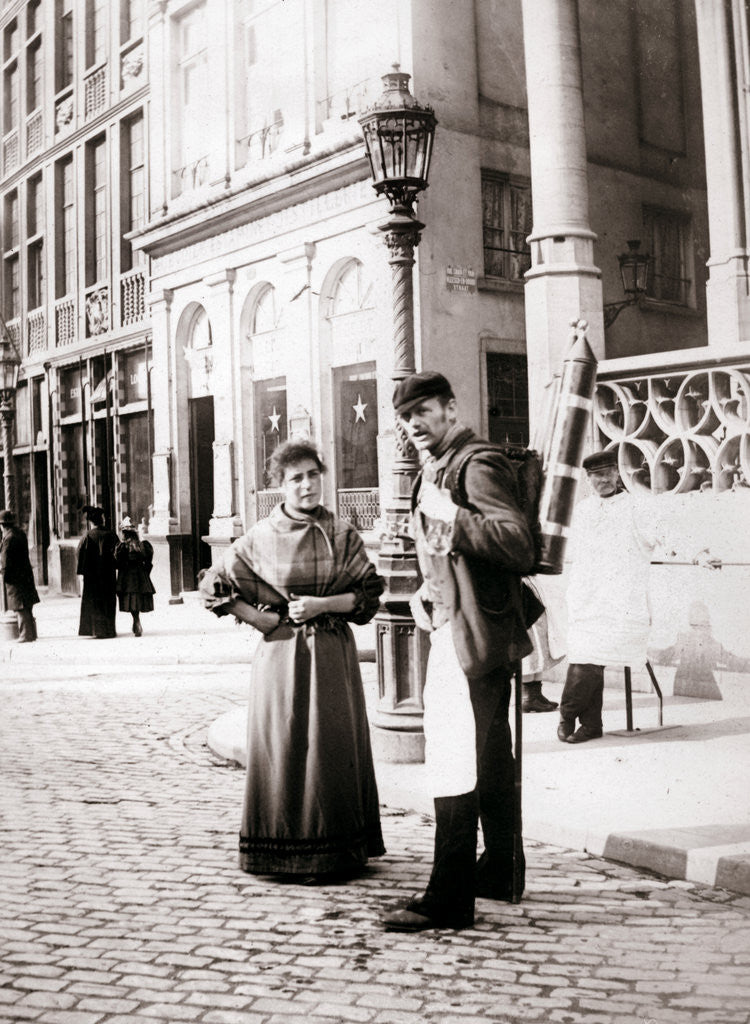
[(317, 555)]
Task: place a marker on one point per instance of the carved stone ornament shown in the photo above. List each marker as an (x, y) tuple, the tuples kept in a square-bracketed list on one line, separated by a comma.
[(97, 311), (132, 65), (64, 113), (401, 244)]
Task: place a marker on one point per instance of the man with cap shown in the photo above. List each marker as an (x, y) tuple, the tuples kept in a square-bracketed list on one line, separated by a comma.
[(607, 596), (468, 751), (15, 566)]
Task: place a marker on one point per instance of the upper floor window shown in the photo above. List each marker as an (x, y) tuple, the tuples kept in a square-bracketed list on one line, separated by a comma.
[(96, 211), (506, 223), (133, 186), (35, 247), (96, 32), (191, 158), (10, 98), (271, 88), (65, 226), (33, 18), (10, 40), (131, 20), (10, 234), (63, 44), (35, 206), (666, 235), (349, 76), (34, 76)]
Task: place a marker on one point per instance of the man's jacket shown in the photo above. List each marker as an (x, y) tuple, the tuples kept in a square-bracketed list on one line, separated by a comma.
[(15, 566), (489, 530)]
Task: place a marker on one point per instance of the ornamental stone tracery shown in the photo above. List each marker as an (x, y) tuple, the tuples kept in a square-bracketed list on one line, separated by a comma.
[(681, 431)]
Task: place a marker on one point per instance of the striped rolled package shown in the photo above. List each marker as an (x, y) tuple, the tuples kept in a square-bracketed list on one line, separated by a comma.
[(565, 452)]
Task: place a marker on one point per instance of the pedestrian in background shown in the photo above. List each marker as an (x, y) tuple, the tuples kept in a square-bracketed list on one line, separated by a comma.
[(546, 635), (15, 566), (134, 558), (96, 564), (468, 749), (611, 543), (301, 576)]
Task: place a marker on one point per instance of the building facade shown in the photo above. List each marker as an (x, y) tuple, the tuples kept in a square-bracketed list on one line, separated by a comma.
[(74, 185), (242, 294)]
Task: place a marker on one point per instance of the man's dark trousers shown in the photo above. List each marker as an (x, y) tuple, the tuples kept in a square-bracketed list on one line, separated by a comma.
[(451, 889), (583, 695), (26, 624)]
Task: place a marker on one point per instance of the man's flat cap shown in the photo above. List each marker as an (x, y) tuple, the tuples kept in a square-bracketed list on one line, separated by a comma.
[(418, 386), (600, 460)]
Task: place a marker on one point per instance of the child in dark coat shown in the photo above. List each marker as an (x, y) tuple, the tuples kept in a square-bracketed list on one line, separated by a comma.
[(134, 558)]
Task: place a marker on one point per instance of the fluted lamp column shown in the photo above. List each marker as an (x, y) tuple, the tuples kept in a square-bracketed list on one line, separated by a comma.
[(9, 365), (398, 133)]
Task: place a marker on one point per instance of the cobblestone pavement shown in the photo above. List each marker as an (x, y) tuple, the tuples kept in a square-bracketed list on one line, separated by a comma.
[(120, 901)]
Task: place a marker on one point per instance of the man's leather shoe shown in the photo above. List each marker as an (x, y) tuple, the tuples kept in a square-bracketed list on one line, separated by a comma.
[(538, 703), (413, 918), (582, 734), (565, 729)]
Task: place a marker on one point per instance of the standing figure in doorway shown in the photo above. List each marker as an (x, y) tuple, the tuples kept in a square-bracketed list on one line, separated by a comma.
[(96, 563), (134, 558), (18, 576)]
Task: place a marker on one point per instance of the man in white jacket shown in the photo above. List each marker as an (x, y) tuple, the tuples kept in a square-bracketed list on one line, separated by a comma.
[(607, 597)]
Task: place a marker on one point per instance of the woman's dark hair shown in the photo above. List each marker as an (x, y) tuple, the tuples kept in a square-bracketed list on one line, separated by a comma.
[(94, 514), (290, 453)]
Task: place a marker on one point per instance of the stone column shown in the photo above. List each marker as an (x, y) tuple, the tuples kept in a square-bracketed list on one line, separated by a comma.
[(225, 524), (161, 519), (723, 60), (563, 285)]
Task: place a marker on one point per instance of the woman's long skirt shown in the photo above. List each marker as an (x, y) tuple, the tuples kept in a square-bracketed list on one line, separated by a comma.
[(311, 800)]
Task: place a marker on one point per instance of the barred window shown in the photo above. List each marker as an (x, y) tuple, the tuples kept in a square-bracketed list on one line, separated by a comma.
[(506, 220), (666, 236)]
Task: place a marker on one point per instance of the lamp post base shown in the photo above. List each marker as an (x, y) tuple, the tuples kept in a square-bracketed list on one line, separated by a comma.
[(395, 746)]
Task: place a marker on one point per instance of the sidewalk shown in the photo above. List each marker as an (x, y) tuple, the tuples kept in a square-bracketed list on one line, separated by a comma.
[(675, 801)]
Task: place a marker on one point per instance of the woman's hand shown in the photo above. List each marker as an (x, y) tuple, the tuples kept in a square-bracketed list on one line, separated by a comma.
[(303, 608)]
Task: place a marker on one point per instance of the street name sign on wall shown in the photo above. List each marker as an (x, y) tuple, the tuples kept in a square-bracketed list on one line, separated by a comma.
[(460, 279)]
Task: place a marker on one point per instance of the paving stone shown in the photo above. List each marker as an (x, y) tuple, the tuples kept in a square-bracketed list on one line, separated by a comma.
[(121, 894)]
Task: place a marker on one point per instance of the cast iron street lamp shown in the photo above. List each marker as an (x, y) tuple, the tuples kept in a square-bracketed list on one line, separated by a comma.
[(9, 366), (398, 133), (635, 271)]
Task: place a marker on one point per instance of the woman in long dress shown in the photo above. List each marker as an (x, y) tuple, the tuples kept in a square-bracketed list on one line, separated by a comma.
[(311, 801), (96, 563)]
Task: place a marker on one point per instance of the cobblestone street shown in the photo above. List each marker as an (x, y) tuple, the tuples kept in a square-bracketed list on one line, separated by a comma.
[(120, 900)]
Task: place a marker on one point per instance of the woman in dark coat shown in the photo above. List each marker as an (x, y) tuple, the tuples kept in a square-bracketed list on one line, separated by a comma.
[(96, 563), (15, 565), (134, 558), (300, 576)]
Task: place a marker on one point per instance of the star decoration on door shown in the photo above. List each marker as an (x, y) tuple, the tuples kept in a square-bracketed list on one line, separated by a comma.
[(359, 410), (274, 418)]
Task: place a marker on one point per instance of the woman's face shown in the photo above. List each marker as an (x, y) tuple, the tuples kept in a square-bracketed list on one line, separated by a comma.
[(302, 486)]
